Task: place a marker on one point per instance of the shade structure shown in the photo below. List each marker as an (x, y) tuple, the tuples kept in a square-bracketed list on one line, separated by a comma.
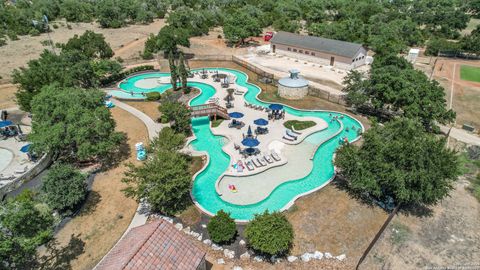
[(25, 148), (260, 122), (236, 114), (250, 142), (275, 107), (5, 123)]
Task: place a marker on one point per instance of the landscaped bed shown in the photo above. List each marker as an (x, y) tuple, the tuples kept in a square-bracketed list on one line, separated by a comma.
[(299, 125), (469, 73)]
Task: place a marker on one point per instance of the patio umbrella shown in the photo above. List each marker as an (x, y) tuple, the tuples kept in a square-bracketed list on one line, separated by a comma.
[(275, 107), (250, 142), (5, 123), (249, 131), (25, 148), (236, 114), (260, 122)]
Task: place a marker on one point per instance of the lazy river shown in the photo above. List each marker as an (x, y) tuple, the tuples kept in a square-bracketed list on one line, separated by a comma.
[(283, 196)]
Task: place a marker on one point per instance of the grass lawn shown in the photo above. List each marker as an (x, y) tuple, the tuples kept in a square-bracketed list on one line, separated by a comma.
[(299, 125), (469, 73), (216, 123)]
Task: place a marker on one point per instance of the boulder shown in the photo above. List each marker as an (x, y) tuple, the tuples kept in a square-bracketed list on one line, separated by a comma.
[(194, 234), (292, 258), (237, 268), (200, 237), (317, 255), (245, 256), (328, 255), (221, 261), (216, 247), (167, 219), (204, 226), (187, 230), (306, 257), (207, 242), (179, 226), (242, 242), (341, 257), (258, 258), (229, 253)]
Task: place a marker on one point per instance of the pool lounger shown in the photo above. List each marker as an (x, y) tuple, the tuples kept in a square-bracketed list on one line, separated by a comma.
[(262, 162), (275, 156), (288, 138), (256, 163), (293, 131), (249, 165), (291, 134), (267, 158)]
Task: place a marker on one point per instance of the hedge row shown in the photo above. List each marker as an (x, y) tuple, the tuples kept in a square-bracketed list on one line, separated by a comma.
[(122, 75)]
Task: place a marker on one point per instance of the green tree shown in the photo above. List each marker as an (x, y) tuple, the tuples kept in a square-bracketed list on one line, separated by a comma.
[(24, 227), (169, 38), (64, 188), (90, 45), (167, 140), (221, 227), (177, 113), (77, 11), (163, 181), (173, 71), (183, 72), (399, 161), (74, 124), (237, 27), (270, 233)]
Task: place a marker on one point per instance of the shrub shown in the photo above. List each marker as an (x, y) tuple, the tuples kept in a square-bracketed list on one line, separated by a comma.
[(153, 96), (177, 113), (221, 227), (146, 55), (64, 188), (55, 26), (299, 125), (119, 59), (270, 233)]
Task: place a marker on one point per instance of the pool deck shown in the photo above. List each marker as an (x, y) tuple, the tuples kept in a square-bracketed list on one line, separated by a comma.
[(255, 185)]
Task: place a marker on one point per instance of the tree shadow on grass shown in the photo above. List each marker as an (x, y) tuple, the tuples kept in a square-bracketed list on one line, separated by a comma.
[(121, 153), (60, 257), (90, 204), (417, 210)]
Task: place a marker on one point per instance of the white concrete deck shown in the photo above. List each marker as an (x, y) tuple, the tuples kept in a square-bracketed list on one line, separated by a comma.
[(18, 164), (255, 185)]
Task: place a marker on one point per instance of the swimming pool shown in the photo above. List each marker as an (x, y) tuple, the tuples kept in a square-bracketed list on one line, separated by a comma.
[(282, 197)]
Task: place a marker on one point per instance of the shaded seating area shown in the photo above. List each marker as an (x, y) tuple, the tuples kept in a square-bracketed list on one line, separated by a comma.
[(261, 129), (236, 124)]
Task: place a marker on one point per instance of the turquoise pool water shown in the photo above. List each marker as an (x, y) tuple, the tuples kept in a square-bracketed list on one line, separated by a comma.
[(203, 189)]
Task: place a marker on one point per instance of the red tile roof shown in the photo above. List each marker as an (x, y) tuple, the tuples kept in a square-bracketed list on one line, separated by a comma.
[(157, 245)]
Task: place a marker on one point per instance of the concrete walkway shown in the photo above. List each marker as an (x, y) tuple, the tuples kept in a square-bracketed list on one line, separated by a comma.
[(461, 135)]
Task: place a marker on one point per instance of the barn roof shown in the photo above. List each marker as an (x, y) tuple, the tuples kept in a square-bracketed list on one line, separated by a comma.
[(157, 245), (332, 46)]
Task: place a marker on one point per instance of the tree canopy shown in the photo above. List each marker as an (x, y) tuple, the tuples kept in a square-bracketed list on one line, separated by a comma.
[(73, 123), (24, 227), (395, 88), (239, 26), (177, 113), (64, 188), (221, 227), (270, 233), (399, 161)]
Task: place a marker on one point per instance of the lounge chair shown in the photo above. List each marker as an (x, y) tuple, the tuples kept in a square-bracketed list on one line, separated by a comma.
[(267, 158), (294, 131), (262, 162), (21, 170), (250, 166), (256, 163), (288, 138), (291, 134), (275, 156)]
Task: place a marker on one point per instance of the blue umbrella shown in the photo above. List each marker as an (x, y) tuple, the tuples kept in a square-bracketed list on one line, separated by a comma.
[(236, 114), (250, 142), (275, 107), (260, 122), (5, 123), (25, 148)]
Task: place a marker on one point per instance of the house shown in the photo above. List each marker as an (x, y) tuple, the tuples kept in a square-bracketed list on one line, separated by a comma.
[(156, 245), (324, 51)]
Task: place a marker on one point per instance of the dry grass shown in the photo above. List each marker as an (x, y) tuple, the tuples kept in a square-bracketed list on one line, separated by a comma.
[(7, 96), (149, 108), (108, 212)]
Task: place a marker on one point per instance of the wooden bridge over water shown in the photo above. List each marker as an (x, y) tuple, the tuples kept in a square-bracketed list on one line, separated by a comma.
[(210, 109)]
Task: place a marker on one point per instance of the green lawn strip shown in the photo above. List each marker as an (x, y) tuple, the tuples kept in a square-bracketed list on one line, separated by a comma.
[(469, 73), (216, 123), (299, 125)]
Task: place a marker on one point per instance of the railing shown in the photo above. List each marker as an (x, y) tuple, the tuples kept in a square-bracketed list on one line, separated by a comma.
[(208, 110)]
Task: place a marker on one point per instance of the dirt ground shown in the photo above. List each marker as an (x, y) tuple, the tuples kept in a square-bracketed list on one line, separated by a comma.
[(446, 237), (108, 212), (127, 42), (7, 96), (149, 108), (466, 94)]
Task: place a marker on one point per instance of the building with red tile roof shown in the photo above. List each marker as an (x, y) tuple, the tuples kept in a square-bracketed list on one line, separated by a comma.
[(157, 245)]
